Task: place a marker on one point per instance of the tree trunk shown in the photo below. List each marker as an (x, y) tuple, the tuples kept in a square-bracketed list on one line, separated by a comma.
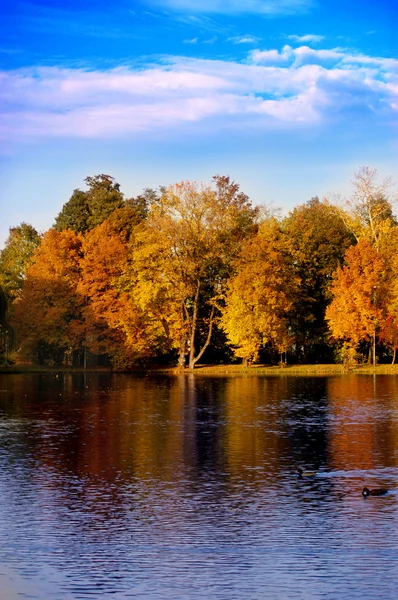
[(194, 360), (393, 356), (374, 348), (181, 356), (193, 327), (370, 354)]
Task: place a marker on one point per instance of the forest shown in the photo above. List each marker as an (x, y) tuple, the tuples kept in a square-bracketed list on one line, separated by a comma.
[(195, 273)]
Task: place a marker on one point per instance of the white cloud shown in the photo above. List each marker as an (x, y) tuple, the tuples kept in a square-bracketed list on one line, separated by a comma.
[(305, 55), (244, 39), (272, 56), (262, 7), (308, 38), (295, 86)]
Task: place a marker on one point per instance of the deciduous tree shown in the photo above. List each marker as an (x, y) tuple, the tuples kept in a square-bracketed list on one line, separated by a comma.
[(86, 210), (16, 258), (113, 323), (368, 212), (183, 258), (360, 292), (389, 334), (261, 294), (49, 305), (318, 240)]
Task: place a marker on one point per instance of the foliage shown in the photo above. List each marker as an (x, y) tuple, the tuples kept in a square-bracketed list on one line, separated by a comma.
[(318, 241), (389, 334), (49, 307), (183, 258), (74, 214), (347, 354), (175, 271), (368, 213), (86, 210), (261, 294), (360, 290), (16, 258), (103, 196), (113, 324)]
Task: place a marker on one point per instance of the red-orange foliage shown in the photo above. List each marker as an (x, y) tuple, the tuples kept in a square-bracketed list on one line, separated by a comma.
[(113, 323), (49, 308), (359, 295)]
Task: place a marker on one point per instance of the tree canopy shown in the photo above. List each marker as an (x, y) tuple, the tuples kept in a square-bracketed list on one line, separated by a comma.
[(195, 270), (16, 257), (86, 210), (261, 293)]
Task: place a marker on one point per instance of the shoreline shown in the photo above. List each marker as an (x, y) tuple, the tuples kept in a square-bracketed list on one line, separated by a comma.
[(215, 370)]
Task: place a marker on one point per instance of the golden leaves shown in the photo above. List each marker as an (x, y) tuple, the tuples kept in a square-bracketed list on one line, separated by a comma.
[(260, 294)]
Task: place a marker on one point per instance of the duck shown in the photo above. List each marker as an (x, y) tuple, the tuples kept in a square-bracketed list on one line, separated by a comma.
[(376, 492), (302, 473)]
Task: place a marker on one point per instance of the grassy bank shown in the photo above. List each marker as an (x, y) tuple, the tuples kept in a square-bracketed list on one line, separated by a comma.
[(290, 370), (216, 370)]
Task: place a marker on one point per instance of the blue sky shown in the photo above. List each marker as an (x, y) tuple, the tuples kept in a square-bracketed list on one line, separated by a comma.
[(288, 97)]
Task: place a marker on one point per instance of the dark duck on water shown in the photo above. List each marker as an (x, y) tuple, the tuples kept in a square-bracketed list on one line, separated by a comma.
[(302, 473), (376, 492)]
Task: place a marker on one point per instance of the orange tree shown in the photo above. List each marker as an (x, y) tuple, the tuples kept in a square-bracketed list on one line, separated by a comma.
[(360, 293), (49, 306), (113, 324)]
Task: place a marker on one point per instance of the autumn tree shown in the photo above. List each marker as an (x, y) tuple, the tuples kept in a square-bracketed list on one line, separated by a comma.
[(360, 291), (183, 257), (4, 338), (74, 214), (368, 213), (388, 334), (49, 306), (16, 258), (318, 241), (113, 324), (261, 294), (86, 210)]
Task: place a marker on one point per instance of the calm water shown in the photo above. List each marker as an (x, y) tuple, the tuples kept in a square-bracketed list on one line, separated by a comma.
[(184, 487)]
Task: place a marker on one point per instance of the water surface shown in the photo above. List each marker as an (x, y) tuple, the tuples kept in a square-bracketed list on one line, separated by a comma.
[(118, 486)]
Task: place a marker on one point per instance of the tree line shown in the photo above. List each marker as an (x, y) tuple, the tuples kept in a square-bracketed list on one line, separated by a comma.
[(195, 272)]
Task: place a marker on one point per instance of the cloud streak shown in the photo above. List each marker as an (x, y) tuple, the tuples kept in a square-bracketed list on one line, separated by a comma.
[(299, 87), (236, 7), (307, 39)]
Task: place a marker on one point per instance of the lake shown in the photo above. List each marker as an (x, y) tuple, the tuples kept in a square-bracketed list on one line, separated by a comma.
[(163, 487)]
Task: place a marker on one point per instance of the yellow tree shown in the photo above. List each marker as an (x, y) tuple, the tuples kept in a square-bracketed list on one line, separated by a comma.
[(360, 292), (182, 258), (261, 294)]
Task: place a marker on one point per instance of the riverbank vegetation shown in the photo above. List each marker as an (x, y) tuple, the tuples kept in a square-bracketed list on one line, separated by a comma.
[(195, 273)]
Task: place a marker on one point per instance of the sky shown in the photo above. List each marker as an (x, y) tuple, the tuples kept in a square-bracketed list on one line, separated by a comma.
[(287, 97)]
